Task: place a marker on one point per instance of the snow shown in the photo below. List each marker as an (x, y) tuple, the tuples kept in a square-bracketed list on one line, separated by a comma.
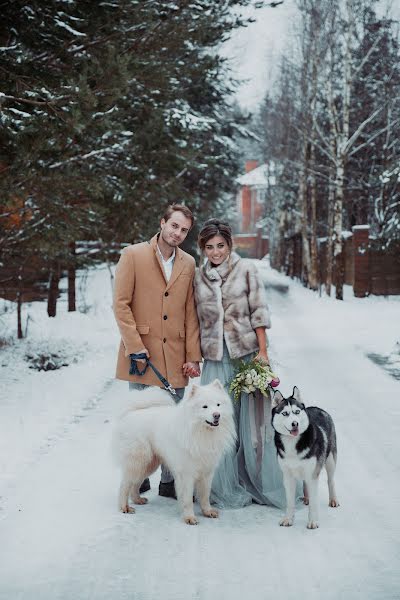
[(187, 119), (7, 49), (62, 536), (69, 28), (20, 112), (255, 178)]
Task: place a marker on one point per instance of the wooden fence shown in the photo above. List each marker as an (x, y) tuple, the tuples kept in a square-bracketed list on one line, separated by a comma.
[(367, 268), (29, 280), (251, 245)]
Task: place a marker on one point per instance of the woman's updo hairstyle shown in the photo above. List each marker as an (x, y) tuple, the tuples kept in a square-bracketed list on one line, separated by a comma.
[(214, 227)]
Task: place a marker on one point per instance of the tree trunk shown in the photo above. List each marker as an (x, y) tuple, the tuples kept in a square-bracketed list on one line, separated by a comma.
[(331, 188), (313, 279), (337, 229), (53, 290), (19, 316), (111, 278), (342, 156), (19, 302), (315, 60), (303, 206), (71, 280), (329, 243)]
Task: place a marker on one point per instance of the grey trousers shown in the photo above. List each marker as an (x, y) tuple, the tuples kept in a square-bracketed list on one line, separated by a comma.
[(166, 475)]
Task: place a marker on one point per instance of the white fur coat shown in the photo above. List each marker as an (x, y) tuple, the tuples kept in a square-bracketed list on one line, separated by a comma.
[(230, 301)]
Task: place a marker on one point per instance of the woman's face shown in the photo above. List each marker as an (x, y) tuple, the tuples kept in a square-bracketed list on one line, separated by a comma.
[(216, 249)]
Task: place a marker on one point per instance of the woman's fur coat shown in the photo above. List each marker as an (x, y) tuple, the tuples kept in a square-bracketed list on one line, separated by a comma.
[(230, 302)]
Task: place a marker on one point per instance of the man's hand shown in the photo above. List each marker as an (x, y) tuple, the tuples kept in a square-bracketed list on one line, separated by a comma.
[(191, 369), (142, 360)]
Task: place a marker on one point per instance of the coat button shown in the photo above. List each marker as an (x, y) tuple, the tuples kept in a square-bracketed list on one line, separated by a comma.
[(166, 294), (165, 317), (164, 340)]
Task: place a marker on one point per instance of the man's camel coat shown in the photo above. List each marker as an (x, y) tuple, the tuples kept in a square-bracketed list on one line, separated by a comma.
[(155, 314)]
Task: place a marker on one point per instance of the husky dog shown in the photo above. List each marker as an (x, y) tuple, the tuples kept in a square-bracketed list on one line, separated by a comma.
[(189, 437), (305, 441)]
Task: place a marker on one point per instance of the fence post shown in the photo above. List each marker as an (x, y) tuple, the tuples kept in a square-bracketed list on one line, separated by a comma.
[(259, 242), (361, 260)]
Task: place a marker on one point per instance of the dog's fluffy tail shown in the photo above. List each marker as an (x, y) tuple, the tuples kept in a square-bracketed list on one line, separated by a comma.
[(147, 398)]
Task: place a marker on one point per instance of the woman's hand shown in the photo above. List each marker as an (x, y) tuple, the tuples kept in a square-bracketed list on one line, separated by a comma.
[(191, 369), (262, 357)]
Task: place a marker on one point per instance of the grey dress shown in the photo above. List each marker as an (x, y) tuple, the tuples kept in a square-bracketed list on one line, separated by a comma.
[(246, 474)]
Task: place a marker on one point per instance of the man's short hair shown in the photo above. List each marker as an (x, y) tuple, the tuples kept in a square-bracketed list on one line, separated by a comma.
[(178, 208)]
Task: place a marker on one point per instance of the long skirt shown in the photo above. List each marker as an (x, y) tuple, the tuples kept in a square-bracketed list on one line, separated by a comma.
[(250, 473)]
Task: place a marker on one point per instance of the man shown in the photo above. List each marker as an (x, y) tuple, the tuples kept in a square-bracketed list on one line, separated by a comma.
[(156, 314)]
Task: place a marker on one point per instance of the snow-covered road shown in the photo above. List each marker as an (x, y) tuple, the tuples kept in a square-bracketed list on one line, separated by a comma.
[(62, 537)]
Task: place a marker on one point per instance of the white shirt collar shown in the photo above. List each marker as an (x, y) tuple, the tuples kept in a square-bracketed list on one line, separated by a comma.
[(170, 259), (167, 264)]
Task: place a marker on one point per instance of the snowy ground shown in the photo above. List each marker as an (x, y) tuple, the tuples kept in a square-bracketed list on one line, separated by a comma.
[(61, 535)]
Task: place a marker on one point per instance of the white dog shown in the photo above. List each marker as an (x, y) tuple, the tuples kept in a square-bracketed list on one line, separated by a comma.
[(189, 438)]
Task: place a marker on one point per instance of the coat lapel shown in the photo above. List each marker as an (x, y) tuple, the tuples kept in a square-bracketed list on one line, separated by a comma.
[(177, 269), (153, 244)]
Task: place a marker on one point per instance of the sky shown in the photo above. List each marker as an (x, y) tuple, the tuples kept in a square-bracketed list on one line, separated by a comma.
[(254, 51)]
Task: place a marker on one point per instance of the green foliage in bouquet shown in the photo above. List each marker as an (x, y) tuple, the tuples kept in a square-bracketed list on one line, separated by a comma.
[(252, 376)]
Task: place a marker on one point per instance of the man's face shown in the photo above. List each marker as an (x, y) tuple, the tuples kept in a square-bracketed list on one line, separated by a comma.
[(174, 231)]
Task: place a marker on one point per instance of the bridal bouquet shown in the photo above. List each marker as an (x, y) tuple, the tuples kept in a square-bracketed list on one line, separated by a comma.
[(252, 376)]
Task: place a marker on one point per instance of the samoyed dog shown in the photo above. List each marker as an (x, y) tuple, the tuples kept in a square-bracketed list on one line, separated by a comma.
[(189, 438)]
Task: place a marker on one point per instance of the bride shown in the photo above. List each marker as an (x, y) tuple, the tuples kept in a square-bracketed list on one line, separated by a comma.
[(233, 318)]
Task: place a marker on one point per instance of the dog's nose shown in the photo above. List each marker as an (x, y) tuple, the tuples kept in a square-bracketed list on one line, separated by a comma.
[(295, 424), (216, 416)]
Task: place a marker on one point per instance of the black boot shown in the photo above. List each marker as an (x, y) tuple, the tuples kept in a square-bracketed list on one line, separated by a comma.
[(145, 486), (167, 490)]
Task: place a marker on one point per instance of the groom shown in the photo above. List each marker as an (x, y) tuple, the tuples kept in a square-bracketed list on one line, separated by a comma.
[(156, 314)]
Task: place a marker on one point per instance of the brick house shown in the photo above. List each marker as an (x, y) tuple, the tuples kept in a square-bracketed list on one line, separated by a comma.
[(251, 200)]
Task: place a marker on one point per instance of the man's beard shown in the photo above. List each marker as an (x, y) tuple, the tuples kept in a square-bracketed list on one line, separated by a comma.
[(171, 242)]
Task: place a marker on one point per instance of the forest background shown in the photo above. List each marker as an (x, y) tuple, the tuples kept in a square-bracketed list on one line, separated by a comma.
[(112, 110)]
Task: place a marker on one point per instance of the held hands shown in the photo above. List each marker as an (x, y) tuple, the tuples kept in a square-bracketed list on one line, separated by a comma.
[(191, 369)]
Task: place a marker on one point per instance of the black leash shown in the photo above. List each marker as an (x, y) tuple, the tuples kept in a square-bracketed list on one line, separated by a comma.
[(134, 370)]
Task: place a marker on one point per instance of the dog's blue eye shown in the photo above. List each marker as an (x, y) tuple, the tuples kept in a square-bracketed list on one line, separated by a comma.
[(296, 412), (285, 413), (205, 406)]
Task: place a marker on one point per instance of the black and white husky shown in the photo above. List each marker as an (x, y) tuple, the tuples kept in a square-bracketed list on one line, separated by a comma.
[(305, 441)]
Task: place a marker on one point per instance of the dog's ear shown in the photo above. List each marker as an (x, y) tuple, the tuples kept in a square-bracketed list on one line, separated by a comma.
[(296, 394), (217, 384), (276, 398)]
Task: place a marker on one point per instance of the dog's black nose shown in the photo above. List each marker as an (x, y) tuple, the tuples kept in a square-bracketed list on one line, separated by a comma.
[(295, 424), (216, 416)]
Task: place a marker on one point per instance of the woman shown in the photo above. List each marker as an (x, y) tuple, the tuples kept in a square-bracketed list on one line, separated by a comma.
[(233, 317)]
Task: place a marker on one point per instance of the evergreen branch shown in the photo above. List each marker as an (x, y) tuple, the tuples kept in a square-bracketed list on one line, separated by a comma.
[(33, 102)]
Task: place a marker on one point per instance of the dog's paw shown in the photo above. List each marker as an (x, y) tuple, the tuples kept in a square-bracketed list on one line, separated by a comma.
[(334, 503), (305, 500), (190, 520), (140, 500), (127, 509), (286, 522), (212, 513), (312, 525)]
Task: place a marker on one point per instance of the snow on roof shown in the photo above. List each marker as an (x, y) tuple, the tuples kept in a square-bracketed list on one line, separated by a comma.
[(256, 178)]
